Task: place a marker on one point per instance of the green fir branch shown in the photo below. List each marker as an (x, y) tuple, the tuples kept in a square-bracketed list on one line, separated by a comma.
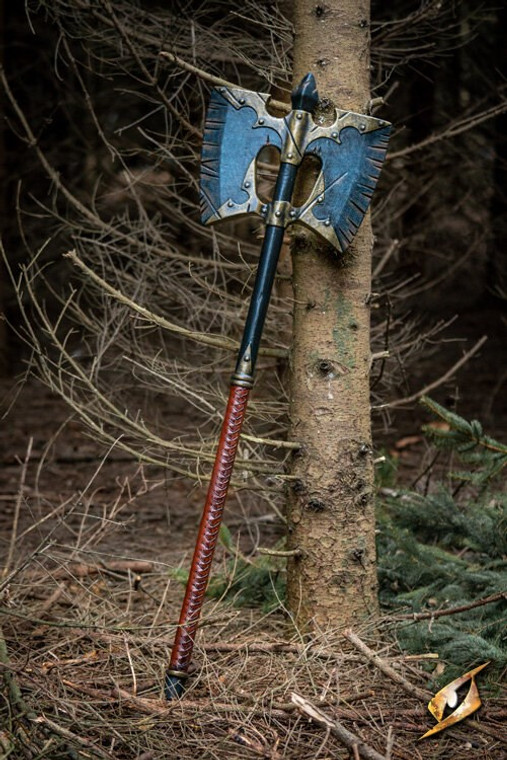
[(448, 548)]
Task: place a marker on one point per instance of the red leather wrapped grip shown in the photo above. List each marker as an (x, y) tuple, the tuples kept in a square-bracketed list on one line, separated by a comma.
[(208, 530)]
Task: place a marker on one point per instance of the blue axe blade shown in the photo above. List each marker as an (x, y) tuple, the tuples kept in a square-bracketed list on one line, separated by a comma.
[(343, 191), (351, 151), (237, 127)]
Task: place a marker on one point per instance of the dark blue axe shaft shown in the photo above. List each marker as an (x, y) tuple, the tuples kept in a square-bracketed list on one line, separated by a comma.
[(304, 98), (266, 271)]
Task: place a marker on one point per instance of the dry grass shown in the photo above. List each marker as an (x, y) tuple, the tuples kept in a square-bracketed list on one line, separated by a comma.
[(95, 685), (85, 641)]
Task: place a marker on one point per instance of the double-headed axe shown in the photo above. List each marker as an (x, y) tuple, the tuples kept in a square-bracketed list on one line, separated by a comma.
[(351, 151)]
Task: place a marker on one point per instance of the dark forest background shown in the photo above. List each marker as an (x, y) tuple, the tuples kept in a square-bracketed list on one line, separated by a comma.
[(118, 128)]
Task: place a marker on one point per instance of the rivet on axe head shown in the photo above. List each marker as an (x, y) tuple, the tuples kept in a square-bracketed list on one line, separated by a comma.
[(351, 152)]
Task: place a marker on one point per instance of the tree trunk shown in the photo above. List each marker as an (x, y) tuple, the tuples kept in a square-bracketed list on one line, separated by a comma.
[(331, 505)]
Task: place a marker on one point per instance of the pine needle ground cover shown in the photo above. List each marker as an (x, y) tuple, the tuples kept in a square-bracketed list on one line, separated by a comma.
[(87, 619)]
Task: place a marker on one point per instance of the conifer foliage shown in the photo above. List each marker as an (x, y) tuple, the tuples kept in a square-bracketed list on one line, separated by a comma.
[(447, 548)]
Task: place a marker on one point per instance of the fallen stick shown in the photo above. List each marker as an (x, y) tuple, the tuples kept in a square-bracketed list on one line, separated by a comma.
[(353, 742), (14, 695), (82, 570), (278, 710), (266, 647), (416, 616), (151, 706), (422, 694), (88, 744), (17, 509), (385, 668), (52, 599), (276, 647)]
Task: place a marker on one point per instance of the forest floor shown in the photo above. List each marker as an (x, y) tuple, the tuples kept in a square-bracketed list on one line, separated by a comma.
[(89, 599)]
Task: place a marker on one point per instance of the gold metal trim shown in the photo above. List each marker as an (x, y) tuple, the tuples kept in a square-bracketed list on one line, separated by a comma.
[(297, 127), (279, 214), (177, 673), (243, 376)]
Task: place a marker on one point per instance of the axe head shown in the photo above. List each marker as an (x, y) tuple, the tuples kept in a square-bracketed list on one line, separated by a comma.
[(351, 153)]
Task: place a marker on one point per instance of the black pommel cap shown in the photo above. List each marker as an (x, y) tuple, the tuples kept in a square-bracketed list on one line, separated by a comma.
[(174, 686), (305, 96)]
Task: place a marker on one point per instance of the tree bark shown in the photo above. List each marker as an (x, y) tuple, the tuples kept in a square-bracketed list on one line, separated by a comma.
[(332, 581)]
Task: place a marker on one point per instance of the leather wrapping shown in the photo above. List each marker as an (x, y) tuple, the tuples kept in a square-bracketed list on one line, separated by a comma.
[(209, 529)]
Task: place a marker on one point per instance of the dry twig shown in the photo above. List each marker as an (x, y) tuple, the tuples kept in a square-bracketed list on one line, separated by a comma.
[(213, 80), (82, 570), (385, 667), (440, 381), (17, 508), (350, 740), (416, 616)]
